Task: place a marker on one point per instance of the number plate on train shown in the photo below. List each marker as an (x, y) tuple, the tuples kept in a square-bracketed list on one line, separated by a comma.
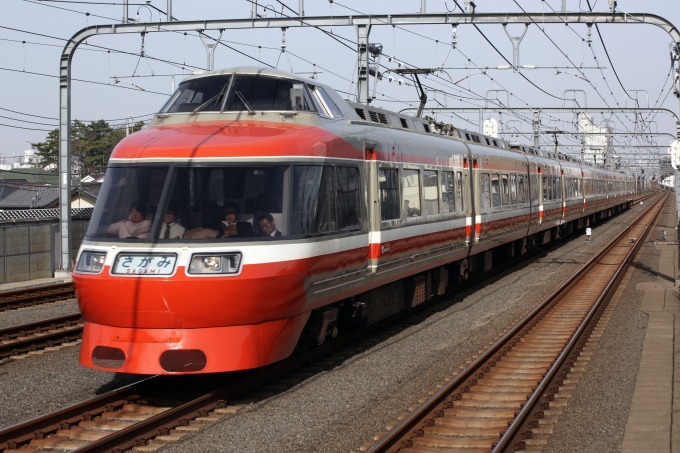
[(145, 264)]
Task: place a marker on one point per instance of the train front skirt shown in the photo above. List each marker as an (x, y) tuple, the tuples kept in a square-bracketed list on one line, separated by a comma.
[(183, 351)]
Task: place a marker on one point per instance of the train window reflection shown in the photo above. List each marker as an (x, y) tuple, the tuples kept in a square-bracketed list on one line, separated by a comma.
[(460, 205), (251, 92), (513, 189), (486, 191), (328, 103), (448, 200), (521, 189), (411, 193), (326, 200), (388, 178), (313, 200), (127, 203), (495, 190), (505, 190), (431, 192), (348, 194), (206, 93), (247, 92)]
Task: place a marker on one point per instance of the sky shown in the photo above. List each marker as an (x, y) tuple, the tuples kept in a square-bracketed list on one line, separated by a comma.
[(128, 77)]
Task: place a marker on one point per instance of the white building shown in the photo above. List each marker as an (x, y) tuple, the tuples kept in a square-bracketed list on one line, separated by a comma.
[(597, 140)]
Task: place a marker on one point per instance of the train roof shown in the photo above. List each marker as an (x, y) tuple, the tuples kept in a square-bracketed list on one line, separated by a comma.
[(273, 72), (366, 113)]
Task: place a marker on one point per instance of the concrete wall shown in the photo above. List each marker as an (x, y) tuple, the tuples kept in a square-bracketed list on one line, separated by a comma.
[(31, 250)]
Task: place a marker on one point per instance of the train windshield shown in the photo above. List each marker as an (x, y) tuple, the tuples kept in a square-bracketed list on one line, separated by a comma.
[(186, 203), (206, 94), (248, 92)]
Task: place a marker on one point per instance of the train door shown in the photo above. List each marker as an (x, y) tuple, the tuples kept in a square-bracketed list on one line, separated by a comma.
[(467, 201), (465, 182), (473, 220), (373, 198), (565, 193), (539, 195), (582, 191)]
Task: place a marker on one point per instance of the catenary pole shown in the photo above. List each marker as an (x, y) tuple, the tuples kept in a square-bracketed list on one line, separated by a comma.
[(362, 25)]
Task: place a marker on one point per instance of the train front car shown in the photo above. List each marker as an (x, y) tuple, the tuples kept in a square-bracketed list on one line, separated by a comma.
[(188, 264)]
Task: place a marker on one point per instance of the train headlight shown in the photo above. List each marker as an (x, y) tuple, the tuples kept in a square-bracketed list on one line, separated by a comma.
[(91, 262), (215, 263)]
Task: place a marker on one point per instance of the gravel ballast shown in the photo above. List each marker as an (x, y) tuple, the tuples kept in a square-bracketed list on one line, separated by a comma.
[(340, 409)]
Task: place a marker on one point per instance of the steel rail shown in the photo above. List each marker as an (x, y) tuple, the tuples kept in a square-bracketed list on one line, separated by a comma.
[(21, 433), (415, 422), (34, 295), (606, 293), (139, 433), (38, 335)]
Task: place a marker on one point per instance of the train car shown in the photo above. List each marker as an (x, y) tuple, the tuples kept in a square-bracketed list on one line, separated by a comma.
[(620, 190), (260, 210), (572, 192)]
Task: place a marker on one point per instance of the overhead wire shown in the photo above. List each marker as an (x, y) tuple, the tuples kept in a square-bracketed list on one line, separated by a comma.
[(569, 27), (334, 36), (430, 39)]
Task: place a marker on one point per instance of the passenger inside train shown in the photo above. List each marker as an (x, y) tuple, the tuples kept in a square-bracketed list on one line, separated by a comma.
[(135, 226), (267, 225), (231, 227), (171, 228), (303, 200)]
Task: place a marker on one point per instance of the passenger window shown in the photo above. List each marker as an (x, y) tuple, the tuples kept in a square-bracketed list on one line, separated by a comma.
[(495, 190), (348, 191), (388, 179), (411, 193), (505, 193), (431, 194), (521, 189), (460, 204), (328, 103), (534, 189), (125, 190), (486, 192), (313, 203), (448, 197), (513, 189)]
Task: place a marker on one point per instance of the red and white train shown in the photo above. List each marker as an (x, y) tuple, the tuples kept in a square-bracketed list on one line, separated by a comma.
[(377, 212)]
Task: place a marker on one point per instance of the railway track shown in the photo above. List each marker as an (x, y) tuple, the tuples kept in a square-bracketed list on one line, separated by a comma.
[(36, 295), (144, 413), (164, 408), (496, 401), (122, 418), (25, 338)]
